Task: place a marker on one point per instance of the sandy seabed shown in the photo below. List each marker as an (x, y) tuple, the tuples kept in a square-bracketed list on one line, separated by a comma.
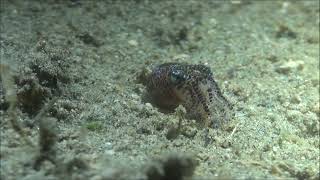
[(75, 66)]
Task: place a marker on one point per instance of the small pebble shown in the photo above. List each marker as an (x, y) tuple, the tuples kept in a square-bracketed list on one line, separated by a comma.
[(189, 132), (296, 99), (149, 107), (316, 108), (203, 156), (177, 143), (272, 58), (290, 66), (294, 116), (133, 43), (108, 145), (135, 96)]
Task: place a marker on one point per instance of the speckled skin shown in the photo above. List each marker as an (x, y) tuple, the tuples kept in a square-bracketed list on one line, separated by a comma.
[(193, 86)]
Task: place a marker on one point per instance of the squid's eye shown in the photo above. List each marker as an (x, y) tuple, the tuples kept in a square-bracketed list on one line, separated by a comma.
[(177, 76)]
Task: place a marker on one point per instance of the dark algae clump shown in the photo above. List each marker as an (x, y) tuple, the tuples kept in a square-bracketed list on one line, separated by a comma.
[(178, 167)]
